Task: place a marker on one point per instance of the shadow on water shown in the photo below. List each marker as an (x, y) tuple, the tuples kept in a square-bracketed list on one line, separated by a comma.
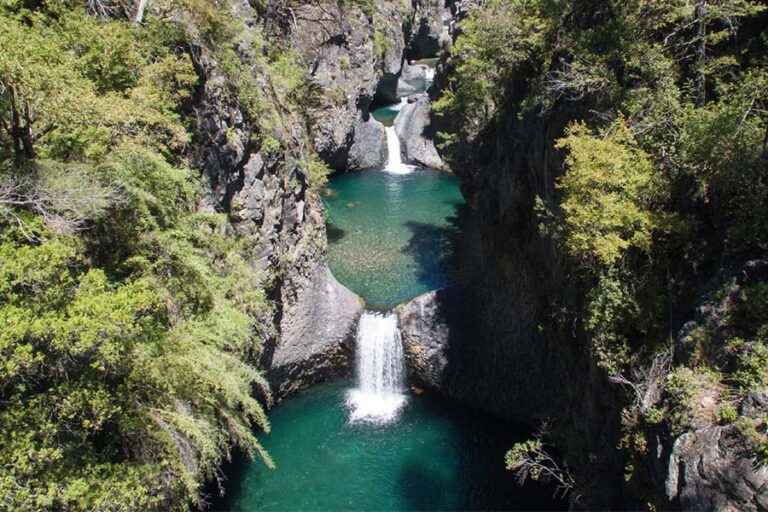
[(477, 478), (422, 487), (334, 233), (437, 249)]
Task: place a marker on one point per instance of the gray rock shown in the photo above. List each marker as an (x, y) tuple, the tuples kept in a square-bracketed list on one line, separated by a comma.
[(428, 325), (391, 22), (427, 30), (317, 331), (709, 469), (338, 47), (414, 74), (413, 126), (755, 405), (369, 147), (405, 89)]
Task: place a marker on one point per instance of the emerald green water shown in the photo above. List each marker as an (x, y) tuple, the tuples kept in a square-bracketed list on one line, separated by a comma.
[(436, 457), (386, 115), (391, 236)]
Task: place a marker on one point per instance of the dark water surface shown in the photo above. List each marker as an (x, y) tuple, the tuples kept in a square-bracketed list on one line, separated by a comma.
[(435, 457)]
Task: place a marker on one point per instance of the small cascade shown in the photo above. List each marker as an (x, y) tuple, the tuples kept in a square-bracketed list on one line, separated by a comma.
[(395, 163), (380, 370), (429, 77)]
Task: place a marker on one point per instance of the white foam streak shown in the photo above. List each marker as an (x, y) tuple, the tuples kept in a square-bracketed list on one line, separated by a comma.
[(395, 163), (380, 372)]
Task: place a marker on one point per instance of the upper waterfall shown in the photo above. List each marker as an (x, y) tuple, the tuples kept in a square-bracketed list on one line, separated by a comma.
[(380, 370)]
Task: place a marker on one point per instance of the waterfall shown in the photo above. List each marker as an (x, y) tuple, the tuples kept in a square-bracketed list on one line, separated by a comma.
[(379, 394), (429, 77), (395, 163)]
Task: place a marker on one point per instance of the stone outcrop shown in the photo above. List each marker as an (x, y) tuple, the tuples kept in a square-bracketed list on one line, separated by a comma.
[(267, 197), (428, 27), (317, 332), (337, 47), (711, 469), (369, 147), (352, 60), (427, 325), (417, 134)]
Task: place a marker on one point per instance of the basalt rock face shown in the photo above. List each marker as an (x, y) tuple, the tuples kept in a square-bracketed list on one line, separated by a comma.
[(527, 358), (267, 197), (428, 326), (711, 469), (711, 466), (428, 27)]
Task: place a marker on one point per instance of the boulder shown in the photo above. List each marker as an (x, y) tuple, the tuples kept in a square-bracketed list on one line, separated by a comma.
[(415, 75), (710, 469), (414, 127), (405, 89), (317, 333), (427, 326), (369, 146)]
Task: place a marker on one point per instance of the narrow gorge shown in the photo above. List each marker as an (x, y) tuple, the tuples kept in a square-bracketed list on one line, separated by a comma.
[(383, 255), (376, 442)]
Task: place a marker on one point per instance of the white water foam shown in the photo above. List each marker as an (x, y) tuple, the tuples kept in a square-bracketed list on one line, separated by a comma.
[(379, 395), (429, 77), (395, 163)]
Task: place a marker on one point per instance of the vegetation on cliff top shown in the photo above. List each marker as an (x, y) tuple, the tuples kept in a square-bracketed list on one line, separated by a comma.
[(129, 322), (665, 180)]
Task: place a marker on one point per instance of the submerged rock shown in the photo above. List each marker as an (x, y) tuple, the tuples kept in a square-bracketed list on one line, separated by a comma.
[(414, 127)]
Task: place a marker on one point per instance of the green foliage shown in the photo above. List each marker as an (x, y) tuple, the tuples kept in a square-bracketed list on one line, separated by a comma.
[(367, 6), (610, 308), (607, 189), (755, 431), (727, 414), (530, 460), (130, 323), (693, 395), (380, 40), (496, 40), (142, 379), (752, 364), (317, 172), (723, 147)]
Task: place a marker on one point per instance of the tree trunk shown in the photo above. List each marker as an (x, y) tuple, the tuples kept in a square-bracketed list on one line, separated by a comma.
[(21, 129), (140, 12), (701, 53)]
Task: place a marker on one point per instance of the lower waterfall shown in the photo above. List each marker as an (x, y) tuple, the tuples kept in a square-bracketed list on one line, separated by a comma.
[(379, 395)]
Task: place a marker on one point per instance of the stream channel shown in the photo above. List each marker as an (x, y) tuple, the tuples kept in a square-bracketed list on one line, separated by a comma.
[(370, 444)]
